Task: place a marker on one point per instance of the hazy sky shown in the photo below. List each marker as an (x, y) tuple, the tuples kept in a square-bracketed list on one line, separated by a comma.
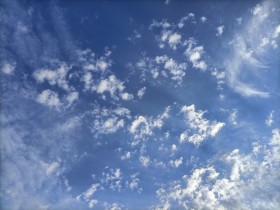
[(140, 104)]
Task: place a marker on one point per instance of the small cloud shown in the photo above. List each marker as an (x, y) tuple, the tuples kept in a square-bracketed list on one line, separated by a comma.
[(203, 19), (141, 92), (92, 203), (49, 98), (269, 120), (167, 2), (145, 160), (239, 20), (8, 68), (220, 30)]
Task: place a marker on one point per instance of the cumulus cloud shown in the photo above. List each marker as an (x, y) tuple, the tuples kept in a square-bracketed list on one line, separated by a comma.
[(194, 54), (209, 188), (8, 68), (200, 127), (141, 92), (220, 30), (53, 77), (143, 126), (49, 98), (162, 66), (108, 121), (203, 19), (113, 86)]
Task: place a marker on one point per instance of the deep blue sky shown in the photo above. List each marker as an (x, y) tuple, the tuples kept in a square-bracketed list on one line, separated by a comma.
[(140, 104)]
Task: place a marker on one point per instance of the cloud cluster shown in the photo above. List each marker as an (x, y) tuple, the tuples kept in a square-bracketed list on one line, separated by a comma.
[(245, 187), (199, 128)]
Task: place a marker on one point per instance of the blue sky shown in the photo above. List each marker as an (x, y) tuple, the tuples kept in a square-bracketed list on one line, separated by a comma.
[(140, 105)]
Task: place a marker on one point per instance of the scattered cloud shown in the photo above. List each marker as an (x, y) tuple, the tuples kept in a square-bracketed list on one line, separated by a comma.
[(200, 127)]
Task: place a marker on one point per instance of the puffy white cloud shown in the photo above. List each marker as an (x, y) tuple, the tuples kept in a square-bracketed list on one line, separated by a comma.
[(143, 126), (114, 86), (8, 68), (176, 70), (127, 96), (162, 66), (208, 188), (71, 97), (220, 30), (200, 127), (176, 163), (108, 121), (54, 77), (92, 203), (173, 40), (89, 61), (113, 179), (49, 98), (194, 55), (203, 19), (141, 92), (145, 160)]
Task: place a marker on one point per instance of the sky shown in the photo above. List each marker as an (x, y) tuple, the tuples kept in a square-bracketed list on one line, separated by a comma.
[(140, 104)]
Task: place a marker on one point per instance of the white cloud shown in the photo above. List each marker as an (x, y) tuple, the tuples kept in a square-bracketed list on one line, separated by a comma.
[(173, 40), (188, 17), (194, 55), (210, 188), (201, 128), (108, 121), (251, 54), (162, 24), (220, 30), (127, 96), (113, 206), (54, 77), (233, 117), (92, 203), (49, 98), (8, 68), (239, 20), (90, 191), (177, 70), (136, 35), (126, 156), (276, 32), (113, 179), (143, 126), (71, 97), (203, 19), (269, 119), (89, 61), (141, 92), (145, 160), (176, 163)]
